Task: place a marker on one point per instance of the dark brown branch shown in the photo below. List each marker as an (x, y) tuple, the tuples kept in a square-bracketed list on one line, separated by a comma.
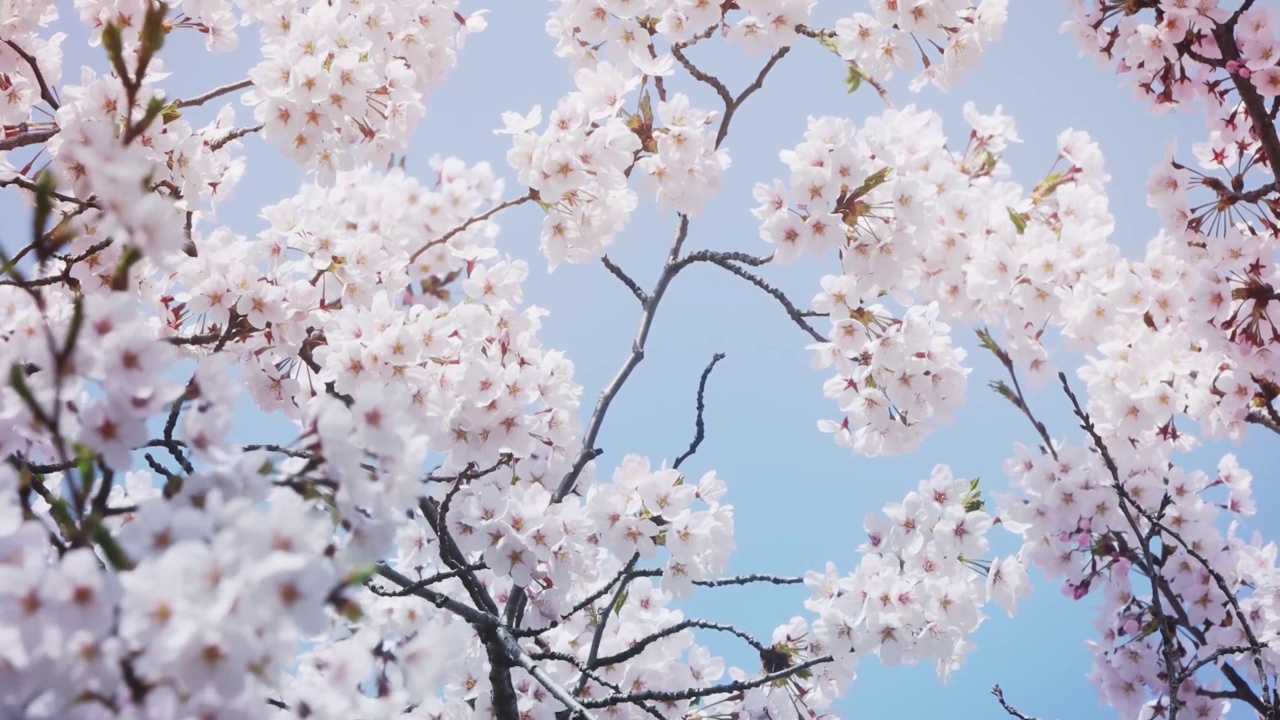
[(1253, 101), (46, 93), (472, 616), (26, 184), (621, 274), (1015, 395), (699, 425), (1127, 502), (677, 49), (427, 581), (731, 107), (643, 644), (669, 271), (593, 654), (716, 258), (692, 693), (1257, 417)]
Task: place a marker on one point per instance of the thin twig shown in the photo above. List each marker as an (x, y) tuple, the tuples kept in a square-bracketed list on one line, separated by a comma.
[(46, 93), (593, 654), (471, 615), (1015, 395), (677, 50), (531, 195), (619, 273), (670, 270), (732, 106), (995, 690), (692, 693), (234, 135), (214, 93), (699, 425), (716, 258)]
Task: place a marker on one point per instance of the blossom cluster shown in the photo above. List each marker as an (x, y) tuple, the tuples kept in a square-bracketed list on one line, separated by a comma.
[(1078, 527), (1174, 56), (578, 166), (890, 37), (344, 85), (436, 538)]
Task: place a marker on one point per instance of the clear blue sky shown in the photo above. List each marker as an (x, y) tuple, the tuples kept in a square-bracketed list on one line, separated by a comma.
[(799, 498)]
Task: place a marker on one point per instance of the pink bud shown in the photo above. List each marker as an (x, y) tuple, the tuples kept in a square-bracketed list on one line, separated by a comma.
[(1235, 67), (1130, 626)]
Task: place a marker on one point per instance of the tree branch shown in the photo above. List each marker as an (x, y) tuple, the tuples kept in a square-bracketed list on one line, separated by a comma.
[(731, 106), (46, 93), (619, 273), (473, 617), (234, 135), (1225, 36), (27, 137), (699, 426), (531, 195), (214, 93), (995, 690), (669, 271), (720, 259), (692, 693)]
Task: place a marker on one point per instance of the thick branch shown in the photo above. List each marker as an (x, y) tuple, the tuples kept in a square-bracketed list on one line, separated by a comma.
[(28, 137), (1253, 101)]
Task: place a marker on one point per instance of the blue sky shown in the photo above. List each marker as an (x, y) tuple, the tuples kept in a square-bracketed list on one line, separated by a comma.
[(799, 498)]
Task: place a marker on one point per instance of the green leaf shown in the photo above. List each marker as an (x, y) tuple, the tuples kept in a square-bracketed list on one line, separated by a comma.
[(622, 600), (73, 334), (112, 43), (646, 109), (45, 185), (170, 113), (872, 182), (18, 381), (1019, 221), (111, 549), (362, 575), (85, 457), (58, 509), (129, 258), (853, 78), (172, 487)]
